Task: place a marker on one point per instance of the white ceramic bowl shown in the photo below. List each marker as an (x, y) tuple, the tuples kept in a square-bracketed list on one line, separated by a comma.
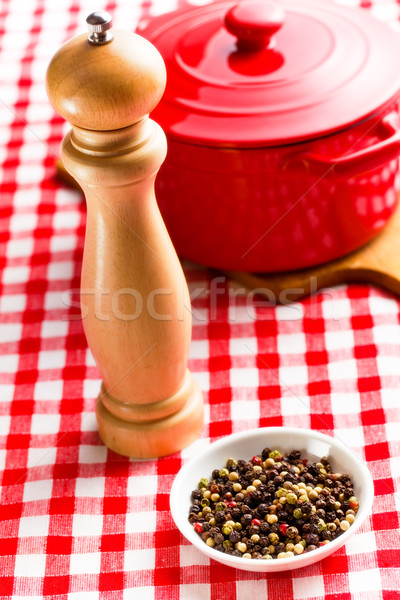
[(245, 445)]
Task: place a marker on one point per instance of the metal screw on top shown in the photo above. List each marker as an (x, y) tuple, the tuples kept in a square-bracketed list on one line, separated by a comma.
[(99, 24)]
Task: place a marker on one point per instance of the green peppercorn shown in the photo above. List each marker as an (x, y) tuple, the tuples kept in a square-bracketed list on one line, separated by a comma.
[(231, 463), (203, 483), (226, 529), (291, 498), (273, 538), (297, 513), (205, 502), (274, 454), (227, 544), (219, 506), (224, 473), (321, 525)]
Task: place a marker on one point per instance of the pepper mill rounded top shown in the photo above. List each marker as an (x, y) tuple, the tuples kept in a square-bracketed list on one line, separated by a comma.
[(107, 80)]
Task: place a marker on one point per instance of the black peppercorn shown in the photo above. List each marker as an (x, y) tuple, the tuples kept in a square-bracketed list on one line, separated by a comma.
[(234, 536)]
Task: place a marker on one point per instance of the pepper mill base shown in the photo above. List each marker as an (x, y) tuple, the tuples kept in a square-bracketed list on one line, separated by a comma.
[(151, 430)]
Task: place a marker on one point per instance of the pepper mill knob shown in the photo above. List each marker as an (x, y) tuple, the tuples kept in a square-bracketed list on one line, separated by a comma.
[(135, 302), (99, 24), (108, 85)]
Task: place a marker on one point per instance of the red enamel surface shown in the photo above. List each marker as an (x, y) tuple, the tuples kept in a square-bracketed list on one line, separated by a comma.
[(248, 210), (329, 67), (255, 136)]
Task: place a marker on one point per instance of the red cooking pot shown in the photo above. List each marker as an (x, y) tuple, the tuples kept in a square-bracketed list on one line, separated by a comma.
[(282, 123)]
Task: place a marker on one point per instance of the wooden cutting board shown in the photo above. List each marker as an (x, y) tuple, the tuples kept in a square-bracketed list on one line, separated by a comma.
[(377, 263)]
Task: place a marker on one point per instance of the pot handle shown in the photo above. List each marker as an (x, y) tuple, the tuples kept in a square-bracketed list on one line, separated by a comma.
[(351, 163)]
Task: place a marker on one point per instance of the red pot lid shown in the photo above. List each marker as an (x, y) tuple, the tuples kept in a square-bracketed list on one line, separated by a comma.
[(259, 73)]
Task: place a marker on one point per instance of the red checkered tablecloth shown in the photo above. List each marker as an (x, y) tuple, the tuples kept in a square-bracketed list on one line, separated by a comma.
[(78, 522)]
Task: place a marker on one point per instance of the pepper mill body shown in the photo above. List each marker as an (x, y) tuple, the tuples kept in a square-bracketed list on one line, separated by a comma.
[(134, 296)]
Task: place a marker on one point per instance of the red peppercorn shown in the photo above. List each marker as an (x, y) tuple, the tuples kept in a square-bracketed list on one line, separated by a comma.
[(255, 522), (354, 505), (256, 460), (232, 504), (198, 527), (283, 527), (305, 461)]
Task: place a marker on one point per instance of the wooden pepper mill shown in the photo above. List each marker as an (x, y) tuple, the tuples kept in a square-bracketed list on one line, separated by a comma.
[(134, 296)]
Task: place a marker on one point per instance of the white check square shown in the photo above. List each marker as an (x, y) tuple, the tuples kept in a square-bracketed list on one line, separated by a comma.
[(139, 560), (81, 564), (51, 329), (19, 247), (48, 390), (190, 555), (15, 275), (12, 303), (245, 410), (388, 365), (66, 219), (90, 487), (243, 346), (139, 522), (339, 340), (45, 424), (87, 525), (195, 591), (145, 485), (293, 343), (386, 334), (34, 526), (92, 454), (334, 308), (10, 332), (62, 243), (343, 404), (138, 593), (379, 305), (38, 457), (52, 359), (199, 349), (23, 221), (292, 375), (9, 363), (60, 271), (244, 377), (30, 565), (365, 581), (342, 369), (308, 587), (38, 490)]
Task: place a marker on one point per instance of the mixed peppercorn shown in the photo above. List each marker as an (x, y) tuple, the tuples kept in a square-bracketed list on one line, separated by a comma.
[(273, 506)]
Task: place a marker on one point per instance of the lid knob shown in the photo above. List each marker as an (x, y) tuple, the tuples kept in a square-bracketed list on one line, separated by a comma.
[(254, 22), (99, 24)]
